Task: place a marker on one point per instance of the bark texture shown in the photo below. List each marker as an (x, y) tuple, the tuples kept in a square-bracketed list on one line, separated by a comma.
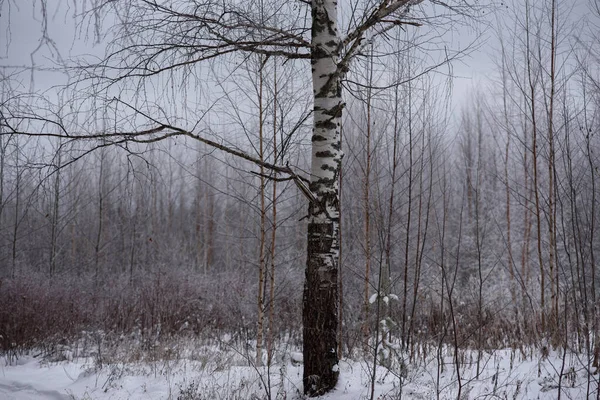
[(320, 315)]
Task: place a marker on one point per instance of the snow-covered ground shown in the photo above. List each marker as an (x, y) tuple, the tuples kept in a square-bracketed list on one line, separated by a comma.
[(504, 374)]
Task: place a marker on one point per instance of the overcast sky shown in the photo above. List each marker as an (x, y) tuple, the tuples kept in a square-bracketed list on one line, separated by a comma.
[(23, 44)]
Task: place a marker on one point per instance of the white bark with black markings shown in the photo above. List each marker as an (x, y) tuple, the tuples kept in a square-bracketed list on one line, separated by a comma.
[(321, 286)]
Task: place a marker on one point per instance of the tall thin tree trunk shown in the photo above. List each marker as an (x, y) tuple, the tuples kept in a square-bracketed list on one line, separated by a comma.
[(367, 206), (98, 243), (209, 220), (3, 147), (273, 223), (479, 247), (422, 227), (261, 260), (528, 193), (200, 204), (386, 281), (409, 211), (418, 245), (15, 232), (72, 226), (340, 265), (591, 238), (55, 213), (510, 257), (552, 269), (534, 147), (132, 216), (2, 163)]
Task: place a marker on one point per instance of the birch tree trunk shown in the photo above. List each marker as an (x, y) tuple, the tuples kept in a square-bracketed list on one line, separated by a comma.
[(320, 289)]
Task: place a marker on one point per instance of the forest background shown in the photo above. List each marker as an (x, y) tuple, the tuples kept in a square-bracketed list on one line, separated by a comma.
[(469, 205)]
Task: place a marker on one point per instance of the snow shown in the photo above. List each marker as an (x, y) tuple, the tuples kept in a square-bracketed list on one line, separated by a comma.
[(226, 338), (504, 374), (373, 298)]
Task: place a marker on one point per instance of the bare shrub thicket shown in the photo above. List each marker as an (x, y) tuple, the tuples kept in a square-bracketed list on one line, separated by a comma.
[(161, 305)]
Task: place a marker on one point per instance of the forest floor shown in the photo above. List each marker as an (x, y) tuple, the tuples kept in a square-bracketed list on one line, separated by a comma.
[(221, 371)]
